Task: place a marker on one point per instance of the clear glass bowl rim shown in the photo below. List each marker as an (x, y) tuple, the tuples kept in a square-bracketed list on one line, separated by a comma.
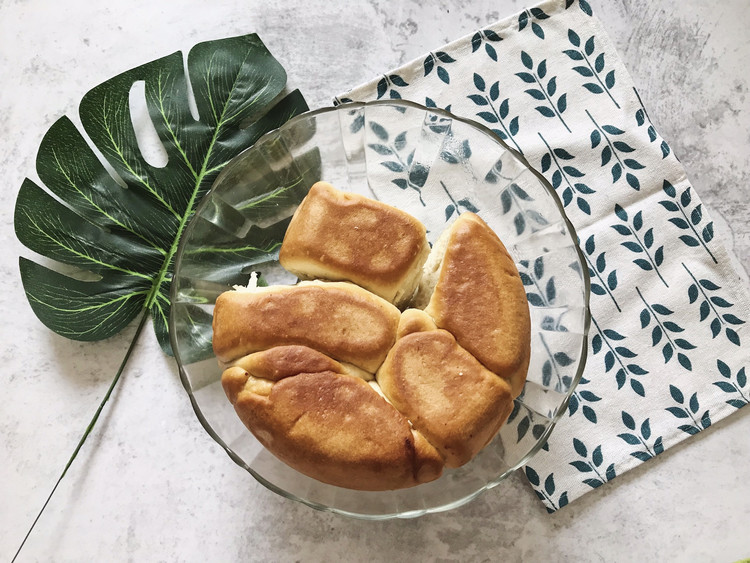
[(562, 408)]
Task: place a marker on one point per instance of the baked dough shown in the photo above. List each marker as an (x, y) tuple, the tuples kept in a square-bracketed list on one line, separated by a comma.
[(457, 403), (478, 297), (328, 425), (336, 235), (300, 361), (339, 319)]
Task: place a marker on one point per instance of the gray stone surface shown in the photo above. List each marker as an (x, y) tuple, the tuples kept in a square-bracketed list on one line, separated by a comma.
[(150, 485)]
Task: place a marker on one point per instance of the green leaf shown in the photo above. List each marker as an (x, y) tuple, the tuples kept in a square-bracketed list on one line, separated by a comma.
[(685, 198), (574, 38), (429, 64), (732, 336), (536, 94), (609, 80), (724, 369), (513, 127), (551, 85), (593, 88), (545, 111), (523, 428), (549, 484), (612, 130), (523, 19), (495, 94), (126, 238), (546, 162), (725, 386), (589, 47), (479, 82), (589, 413), (678, 412), (527, 61), (597, 457), (491, 52), (684, 361), (637, 387), (599, 63), (708, 284), (616, 172), (662, 310), (478, 99), (584, 71), (596, 138), (541, 69), (646, 430), (732, 319), (643, 456), (532, 476), (613, 334), (629, 438), (580, 448), (694, 406), (612, 280), (574, 54), (676, 394)]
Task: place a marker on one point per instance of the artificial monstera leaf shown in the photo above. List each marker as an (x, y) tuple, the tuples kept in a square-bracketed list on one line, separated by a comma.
[(116, 228)]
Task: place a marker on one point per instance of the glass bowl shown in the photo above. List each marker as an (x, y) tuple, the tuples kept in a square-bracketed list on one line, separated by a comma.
[(435, 166)]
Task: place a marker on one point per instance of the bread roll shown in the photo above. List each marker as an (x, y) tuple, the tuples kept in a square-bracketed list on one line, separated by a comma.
[(337, 235), (338, 319), (478, 297), (452, 399), (332, 427)]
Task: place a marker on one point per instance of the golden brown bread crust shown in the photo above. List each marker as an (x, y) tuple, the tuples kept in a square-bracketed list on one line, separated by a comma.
[(334, 428), (457, 403), (479, 299), (338, 319), (338, 235), (284, 361)]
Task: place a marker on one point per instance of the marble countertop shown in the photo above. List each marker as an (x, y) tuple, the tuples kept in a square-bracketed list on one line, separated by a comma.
[(151, 485)]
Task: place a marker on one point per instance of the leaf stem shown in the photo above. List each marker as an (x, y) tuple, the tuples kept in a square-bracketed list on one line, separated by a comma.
[(642, 441), (592, 466), (704, 293), (599, 80), (554, 362), (611, 146), (557, 162), (697, 236), (455, 205), (550, 102), (90, 426), (619, 360), (643, 246), (656, 318), (507, 132), (604, 285)]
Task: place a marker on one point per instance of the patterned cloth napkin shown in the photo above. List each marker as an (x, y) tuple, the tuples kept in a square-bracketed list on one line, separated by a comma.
[(668, 345)]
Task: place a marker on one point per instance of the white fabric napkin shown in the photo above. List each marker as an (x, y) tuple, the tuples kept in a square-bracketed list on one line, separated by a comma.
[(668, 345)]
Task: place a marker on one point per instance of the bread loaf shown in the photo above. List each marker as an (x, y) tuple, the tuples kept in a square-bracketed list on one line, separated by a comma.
[(336, 235), (478, 297)]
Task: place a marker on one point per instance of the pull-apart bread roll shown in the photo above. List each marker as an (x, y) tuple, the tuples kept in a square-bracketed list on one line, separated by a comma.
[(479, 298), (338, 319), (336, 235), (452, 399), (331, 426)]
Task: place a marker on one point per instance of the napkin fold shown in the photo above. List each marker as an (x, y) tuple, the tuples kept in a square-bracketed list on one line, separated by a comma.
[(668, 345)]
